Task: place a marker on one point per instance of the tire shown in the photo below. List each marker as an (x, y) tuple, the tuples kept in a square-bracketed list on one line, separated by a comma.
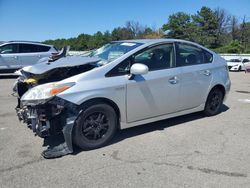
[(214, 102), (239, 69), (95, 126)]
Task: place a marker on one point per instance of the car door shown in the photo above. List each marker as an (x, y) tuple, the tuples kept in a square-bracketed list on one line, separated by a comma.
[(196, 74), (157, 92), (29, 54), (9, 57)]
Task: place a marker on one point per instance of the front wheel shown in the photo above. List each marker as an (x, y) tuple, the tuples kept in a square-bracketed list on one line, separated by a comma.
[(214, 102), (95, 126)]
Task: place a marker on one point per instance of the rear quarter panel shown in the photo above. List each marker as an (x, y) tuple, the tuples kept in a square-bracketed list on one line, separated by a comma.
[(220, 75)]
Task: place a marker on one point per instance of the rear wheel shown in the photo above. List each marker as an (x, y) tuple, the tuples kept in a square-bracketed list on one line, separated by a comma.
[(95, 126), (214, 102)]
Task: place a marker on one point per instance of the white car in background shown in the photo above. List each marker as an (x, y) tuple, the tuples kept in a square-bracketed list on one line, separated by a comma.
[(17, 54), (237, 64)]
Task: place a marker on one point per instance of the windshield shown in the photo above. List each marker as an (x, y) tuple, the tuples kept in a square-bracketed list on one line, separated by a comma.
[(114, 50)]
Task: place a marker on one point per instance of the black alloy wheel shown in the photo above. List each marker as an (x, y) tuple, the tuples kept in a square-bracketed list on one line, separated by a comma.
[(214, 102), (95, 126)]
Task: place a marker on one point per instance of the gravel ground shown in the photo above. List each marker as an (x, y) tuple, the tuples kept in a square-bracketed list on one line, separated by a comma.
[(188, 151)]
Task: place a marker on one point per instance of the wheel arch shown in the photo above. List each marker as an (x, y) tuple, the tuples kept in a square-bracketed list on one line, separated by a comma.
[(97, 100), (219, 86)]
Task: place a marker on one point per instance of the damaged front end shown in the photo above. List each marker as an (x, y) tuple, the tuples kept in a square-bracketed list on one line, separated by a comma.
[(51, 116), (21, 86), (47, 72), (39, 107)]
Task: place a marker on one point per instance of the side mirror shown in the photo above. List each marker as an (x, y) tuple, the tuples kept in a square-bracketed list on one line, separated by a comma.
[(139, 69)]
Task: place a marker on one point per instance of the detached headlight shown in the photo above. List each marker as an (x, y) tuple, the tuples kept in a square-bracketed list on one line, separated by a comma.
[(45, 91)]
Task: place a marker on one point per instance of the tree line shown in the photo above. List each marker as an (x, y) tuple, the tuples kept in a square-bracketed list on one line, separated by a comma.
[(215, 29)]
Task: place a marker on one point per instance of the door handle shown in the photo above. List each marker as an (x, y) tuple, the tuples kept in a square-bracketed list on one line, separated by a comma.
[(206, 72), (15, 57), (173, 80)]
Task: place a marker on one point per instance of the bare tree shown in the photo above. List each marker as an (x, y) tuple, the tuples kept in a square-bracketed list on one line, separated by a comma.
[(244, 32), (223, 20), (234, 27), (135, 28)]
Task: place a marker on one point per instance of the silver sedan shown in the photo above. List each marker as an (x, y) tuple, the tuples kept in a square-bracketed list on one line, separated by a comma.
[(130, 83)]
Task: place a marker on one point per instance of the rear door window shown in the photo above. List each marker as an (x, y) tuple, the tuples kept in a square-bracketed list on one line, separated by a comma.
[(208, 57), (28, 48), (32, 48), (188, 54)]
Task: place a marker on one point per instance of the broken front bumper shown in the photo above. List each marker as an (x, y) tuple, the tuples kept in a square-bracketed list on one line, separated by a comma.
[(52, 118), (21, 86)]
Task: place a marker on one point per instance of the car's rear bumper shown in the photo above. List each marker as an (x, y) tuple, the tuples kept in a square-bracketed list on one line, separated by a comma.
[(227, 89)]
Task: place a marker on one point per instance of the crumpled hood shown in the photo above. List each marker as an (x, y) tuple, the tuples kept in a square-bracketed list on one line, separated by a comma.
[(69, 61)]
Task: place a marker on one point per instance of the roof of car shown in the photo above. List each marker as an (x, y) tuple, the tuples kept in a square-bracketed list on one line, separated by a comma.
[(23, 42), (144, 41), (155, 41)]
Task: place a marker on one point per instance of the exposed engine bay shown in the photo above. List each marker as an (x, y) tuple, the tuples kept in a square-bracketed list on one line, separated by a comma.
[(28, 80)]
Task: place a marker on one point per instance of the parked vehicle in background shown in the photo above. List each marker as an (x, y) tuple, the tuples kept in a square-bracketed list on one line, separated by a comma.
[(247, 66), (122, 84), (17, 54), (237, 64)]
